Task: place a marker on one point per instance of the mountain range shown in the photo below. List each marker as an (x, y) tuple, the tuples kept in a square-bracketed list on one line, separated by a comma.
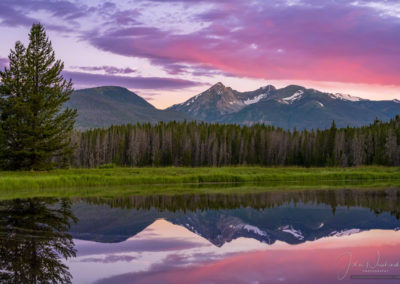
[(288, 108)]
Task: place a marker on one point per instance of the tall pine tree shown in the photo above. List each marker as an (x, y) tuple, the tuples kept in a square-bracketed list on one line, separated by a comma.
[(35, 130)]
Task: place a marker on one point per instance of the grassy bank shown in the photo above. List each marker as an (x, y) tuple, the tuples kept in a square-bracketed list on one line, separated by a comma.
[(188, 189), (79, 178)]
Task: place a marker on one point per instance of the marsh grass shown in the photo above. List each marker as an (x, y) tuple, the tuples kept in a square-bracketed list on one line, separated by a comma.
[(176, 180)]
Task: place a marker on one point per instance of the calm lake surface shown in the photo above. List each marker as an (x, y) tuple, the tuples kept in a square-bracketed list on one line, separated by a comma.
[(324, 236)]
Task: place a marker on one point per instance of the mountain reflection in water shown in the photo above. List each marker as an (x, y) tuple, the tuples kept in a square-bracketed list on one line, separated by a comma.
[(322, 236)]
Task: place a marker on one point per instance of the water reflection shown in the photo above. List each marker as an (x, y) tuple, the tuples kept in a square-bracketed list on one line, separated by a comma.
[(290, 237), (33, 239), (293, 217), (376, 200)]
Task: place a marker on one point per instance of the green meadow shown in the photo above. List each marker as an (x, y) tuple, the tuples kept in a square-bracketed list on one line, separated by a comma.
[(178, 180)]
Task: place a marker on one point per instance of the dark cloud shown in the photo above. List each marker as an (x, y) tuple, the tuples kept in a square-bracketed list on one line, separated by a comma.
[(81, 80)]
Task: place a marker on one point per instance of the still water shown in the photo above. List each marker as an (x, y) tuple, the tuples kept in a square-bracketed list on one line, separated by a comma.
[(324, 236)]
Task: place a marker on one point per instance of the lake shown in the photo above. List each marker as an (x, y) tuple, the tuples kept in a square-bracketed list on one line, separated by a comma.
[(310, 236)]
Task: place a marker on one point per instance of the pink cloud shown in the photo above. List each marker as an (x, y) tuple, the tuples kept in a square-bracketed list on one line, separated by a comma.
[(328, 43)]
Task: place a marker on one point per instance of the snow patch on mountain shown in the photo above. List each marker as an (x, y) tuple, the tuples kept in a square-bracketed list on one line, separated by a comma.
[(396, 101), (296, 96), (250, 228), (191, 228), (188, 103), (345, 97), (255, 99), (255, 230), (345, 232), (320, 104), (290, 230)]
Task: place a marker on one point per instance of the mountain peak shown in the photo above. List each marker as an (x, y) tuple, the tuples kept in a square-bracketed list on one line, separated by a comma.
[(217, 86), (108, 105), (268, 88), (293, 88)]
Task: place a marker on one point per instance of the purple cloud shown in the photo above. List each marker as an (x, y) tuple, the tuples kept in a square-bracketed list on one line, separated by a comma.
[(60, 8), (11, 17), (107, 69), (81, 80), (173, 68), (109, 259), (88, 249), (303, 40), (14, 13)]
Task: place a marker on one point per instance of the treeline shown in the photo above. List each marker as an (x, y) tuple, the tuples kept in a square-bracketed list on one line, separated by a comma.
[(203, 144)]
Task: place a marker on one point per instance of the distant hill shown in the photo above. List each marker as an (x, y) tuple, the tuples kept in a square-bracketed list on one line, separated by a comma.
[(106, 106), (289, 107)]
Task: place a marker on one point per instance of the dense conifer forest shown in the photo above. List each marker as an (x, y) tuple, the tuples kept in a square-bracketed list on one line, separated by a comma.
[(202, 144)]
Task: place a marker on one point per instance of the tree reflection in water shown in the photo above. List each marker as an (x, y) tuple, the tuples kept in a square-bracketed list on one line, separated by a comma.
[(34, 239), (378, 201)]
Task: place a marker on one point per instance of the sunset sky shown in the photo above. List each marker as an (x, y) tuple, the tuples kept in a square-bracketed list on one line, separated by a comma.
[(169, 50)]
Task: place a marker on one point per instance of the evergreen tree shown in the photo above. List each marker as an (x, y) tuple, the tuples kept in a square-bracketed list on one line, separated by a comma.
[(203, 144), (35, 129), (331, 144)]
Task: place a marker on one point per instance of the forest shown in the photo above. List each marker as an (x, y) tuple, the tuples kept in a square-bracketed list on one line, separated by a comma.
[(195, 144)]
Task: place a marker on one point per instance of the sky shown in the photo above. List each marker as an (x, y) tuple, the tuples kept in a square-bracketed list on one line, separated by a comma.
[(169, 50)]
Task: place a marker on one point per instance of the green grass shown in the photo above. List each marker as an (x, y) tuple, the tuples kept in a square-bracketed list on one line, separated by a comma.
[(91, 182), (157, 190)]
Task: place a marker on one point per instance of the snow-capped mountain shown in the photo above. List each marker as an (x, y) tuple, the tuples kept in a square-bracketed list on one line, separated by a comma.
[(220, 100), (289, 107)]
